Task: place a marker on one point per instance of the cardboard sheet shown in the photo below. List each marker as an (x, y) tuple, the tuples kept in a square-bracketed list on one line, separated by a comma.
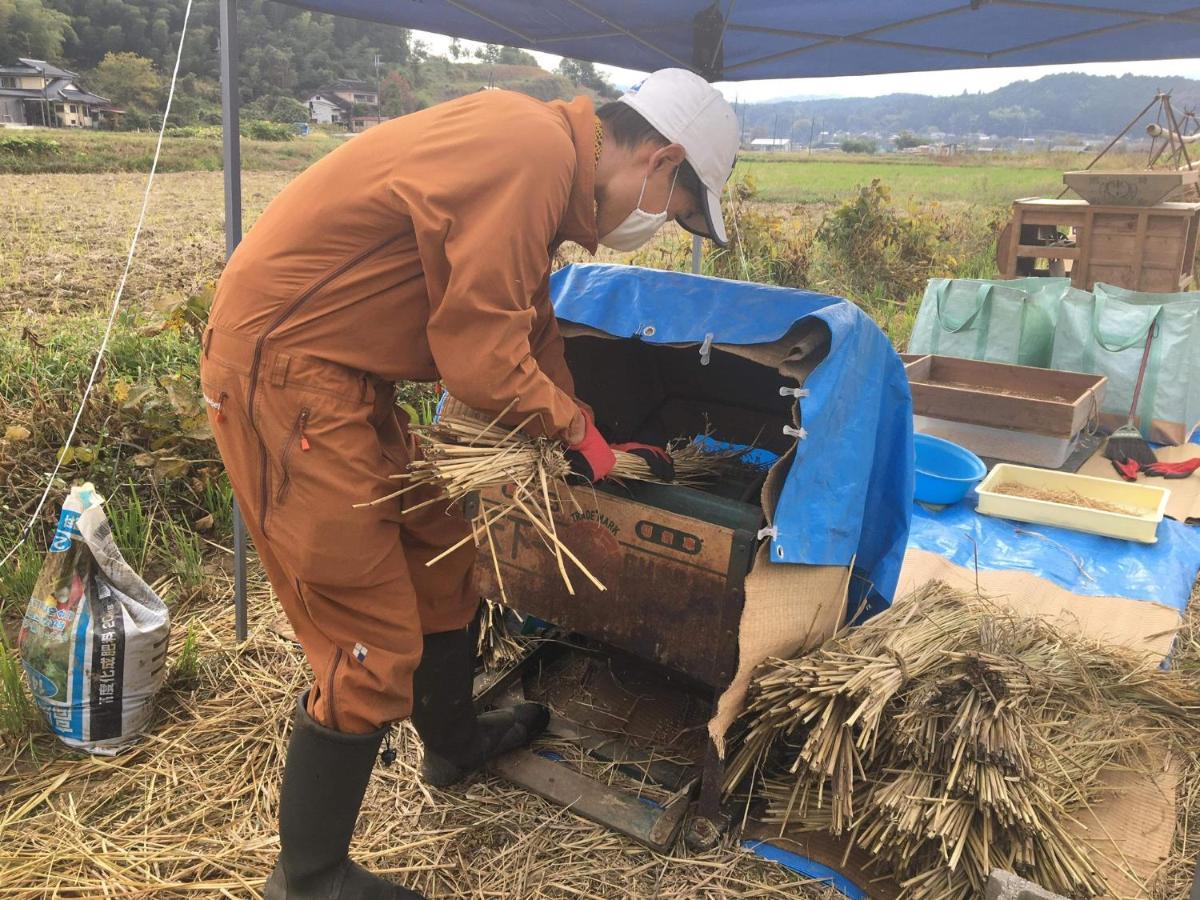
[(1138, 624), (1184, 503)]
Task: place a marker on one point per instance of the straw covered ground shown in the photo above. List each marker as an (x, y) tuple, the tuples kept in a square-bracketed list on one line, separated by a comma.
[(191, 811)]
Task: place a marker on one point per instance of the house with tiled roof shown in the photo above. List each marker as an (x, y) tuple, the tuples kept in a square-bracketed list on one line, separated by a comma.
[(35, 92), (346, 101)]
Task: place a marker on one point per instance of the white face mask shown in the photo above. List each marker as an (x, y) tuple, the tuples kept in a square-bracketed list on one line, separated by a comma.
[(639, 226)]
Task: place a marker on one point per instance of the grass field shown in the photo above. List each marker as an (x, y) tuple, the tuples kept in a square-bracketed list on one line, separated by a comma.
[(827, 180)]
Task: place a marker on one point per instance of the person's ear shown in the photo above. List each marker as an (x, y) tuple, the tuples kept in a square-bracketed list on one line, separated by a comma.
[(668, 157)]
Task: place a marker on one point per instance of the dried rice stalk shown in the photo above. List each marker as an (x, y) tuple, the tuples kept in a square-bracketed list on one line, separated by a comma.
[(948, 737), (1066, 497), (496, 646), (465, 456)]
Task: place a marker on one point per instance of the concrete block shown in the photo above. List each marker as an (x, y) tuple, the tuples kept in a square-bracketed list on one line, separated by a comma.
[(1004, 885)]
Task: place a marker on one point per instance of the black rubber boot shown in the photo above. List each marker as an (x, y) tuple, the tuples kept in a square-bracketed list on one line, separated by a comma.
[(324, 780), (457, 741)]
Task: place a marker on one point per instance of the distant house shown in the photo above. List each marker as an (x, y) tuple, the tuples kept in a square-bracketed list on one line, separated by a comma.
[(34, 92), (328, 110), (354, 104), (771, 144)]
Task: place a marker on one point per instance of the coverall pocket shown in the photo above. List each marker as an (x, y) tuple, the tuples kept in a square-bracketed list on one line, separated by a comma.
[(296, 439), (330, 681)]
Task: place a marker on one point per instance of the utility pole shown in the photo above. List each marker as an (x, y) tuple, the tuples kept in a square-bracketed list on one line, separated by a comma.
[(378, 93), (45, 100), (812, 130)]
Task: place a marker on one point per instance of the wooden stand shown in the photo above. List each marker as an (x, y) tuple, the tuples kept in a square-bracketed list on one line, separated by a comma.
[(1143, 248)]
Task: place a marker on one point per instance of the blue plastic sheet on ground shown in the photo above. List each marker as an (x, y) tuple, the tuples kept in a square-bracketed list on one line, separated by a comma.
[(1084, 564), (847, 496), (809, 868)]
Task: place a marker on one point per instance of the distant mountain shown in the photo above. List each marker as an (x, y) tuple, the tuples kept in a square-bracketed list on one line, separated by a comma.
[(800, 98), (1055, 105)]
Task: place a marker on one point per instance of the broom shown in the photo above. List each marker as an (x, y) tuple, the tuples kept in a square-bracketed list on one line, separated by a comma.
[(1127, 443)]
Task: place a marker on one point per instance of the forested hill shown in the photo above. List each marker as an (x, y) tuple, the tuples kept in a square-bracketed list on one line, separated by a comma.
[(125, 48), (1055, 104), (284, 49)]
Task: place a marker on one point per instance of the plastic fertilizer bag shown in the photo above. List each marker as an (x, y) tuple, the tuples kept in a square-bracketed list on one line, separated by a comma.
[(94, 638)]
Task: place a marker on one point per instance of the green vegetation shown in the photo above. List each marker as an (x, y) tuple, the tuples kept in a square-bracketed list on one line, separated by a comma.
[(131, 525), (27, 146), (144, 428), (875, 249), (187, 662), (17, 713), (30, 28), (859, 145), (798, 179), (130, 82), (872, 247), (266, 146)]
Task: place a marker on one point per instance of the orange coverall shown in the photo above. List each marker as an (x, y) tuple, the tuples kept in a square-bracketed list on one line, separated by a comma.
[(420, 250)]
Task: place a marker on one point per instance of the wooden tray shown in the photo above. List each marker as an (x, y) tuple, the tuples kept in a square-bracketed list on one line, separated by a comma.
[(1015, 398)]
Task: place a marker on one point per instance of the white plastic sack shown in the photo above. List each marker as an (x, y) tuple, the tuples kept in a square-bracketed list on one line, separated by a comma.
[(94, 638)]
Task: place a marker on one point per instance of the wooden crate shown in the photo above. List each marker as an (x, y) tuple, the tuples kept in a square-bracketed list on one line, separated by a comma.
[(1146, 248), (1018, 398)]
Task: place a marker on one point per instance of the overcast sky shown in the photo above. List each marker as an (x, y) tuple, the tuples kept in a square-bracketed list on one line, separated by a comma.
[(952, 82)]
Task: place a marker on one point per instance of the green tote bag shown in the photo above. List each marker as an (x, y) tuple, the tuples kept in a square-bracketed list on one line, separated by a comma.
[(1104, 333), (997, 321)]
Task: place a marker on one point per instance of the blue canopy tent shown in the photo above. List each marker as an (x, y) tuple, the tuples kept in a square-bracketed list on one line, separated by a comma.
[(727, 40)]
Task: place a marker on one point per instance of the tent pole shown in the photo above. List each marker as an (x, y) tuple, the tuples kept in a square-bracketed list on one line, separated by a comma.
[(695, 254), (231, 157)]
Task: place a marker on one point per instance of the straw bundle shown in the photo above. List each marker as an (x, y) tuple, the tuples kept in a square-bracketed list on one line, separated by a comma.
[(947, 737), (192, 810), (462, 456), (496, 647)]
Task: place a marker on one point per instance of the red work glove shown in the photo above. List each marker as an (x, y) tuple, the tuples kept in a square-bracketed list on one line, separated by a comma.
[(1174, 470), (592, 458), (659, 460), (1127, 469)]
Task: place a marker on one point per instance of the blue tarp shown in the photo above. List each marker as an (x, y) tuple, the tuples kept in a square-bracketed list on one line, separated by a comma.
[(848, 493), (731, 41), (1084, 564)]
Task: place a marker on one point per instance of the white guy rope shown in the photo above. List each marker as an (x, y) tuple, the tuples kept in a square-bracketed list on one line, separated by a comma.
[(116, 304)]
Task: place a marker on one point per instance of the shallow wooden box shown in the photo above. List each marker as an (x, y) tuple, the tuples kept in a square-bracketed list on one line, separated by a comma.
[(1018, 398)]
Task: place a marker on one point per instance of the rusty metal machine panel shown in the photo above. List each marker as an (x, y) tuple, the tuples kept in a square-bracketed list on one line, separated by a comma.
[(673, 561)]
